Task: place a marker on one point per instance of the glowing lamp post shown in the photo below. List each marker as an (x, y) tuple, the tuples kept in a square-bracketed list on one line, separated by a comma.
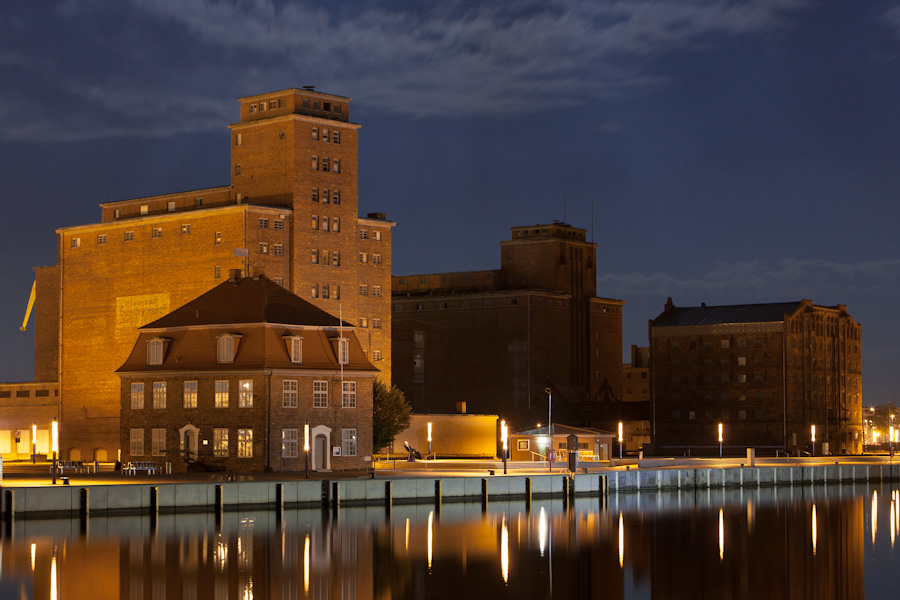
[(33, 443), (429, 438), (306, 446), (621, 441), (504, 437), (720, 440), (54, 445), (812, 432)]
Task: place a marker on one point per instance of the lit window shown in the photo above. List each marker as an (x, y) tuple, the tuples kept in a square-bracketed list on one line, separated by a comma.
[(159, 394), (220, 442), (279, 281), (117, 213), (245, 443), (742, 361), (155, 352), (145, 209), (335, 224), (348, 399), (337, 166), (221, 393), (137, 396), (314, 291), (315, 222), (158, 447), (289, 394), (237, 139), (320, 394), (363, 322), (290, 443), (101, 239), (137, 442), (190, 394), (335, 292), (186, 228), (348, 442), (263, 248), (218, 238), (245, 393), (315, 163)]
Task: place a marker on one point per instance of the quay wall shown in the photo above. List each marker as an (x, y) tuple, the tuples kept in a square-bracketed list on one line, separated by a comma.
[(159, 498)]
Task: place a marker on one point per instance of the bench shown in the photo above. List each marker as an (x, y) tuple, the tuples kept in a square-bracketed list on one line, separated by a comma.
[(132, 468), (70, 465)]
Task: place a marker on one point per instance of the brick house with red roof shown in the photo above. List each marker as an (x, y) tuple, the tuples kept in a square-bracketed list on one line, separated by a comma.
[(229, 381)]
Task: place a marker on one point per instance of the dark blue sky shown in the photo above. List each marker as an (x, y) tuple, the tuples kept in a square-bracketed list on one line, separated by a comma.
[(734, 151)]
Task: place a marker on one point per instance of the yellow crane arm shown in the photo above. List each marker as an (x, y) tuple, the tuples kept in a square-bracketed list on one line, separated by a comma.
[(30, 306)]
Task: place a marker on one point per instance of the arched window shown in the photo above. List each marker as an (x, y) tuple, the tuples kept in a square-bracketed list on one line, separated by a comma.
[(155, 352)]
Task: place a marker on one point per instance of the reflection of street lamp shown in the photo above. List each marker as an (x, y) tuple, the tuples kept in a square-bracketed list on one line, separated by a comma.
[(306, 445), (504, 437), (812, 431), (621, 439), (54, 445), (720, 440)]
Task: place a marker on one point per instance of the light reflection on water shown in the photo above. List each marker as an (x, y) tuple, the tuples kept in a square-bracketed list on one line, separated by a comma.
[(805, 542)]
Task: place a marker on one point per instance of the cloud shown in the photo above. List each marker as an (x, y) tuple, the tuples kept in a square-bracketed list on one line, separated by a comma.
[(806, 278)]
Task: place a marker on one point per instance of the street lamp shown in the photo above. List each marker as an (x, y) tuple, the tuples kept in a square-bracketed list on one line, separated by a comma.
[(549, 427), (812, 431), (33, 443), (429, 438), (54, 445), (306, 445), (621, 440), (720, 440), (504, 436)]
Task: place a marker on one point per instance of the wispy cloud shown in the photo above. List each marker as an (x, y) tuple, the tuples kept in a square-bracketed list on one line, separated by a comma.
[(754, 279), (449, 58)]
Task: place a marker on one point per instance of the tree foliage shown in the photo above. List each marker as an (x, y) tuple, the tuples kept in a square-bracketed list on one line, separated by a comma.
[(390, 415)]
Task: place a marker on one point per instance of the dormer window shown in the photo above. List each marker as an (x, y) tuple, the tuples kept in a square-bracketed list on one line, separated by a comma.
[(344, 351), (294, 344), (227, 347), (156, 350)]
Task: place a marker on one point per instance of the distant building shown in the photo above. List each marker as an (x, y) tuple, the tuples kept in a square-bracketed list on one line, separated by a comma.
[(636, 389), (496, 340), (290, 212), (534, 444), (768, 372), (230, 379)]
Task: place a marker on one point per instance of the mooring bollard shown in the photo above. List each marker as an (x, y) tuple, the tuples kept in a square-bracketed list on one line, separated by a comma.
[(528, 494), (484, 495), (388, 496)]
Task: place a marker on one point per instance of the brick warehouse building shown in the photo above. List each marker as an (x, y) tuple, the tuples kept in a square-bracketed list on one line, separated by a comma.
[(768, 372), (291, 212), (496, 339), (229, 380)]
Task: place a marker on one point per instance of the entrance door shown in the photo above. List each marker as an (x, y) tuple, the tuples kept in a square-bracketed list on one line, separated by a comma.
[(321, 452), (189, 434)]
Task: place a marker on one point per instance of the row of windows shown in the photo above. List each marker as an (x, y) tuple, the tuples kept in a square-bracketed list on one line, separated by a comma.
[(277, 249), (325, 164), (722, 377), (220, 442), (364, 323), (364, 258), (277, 224), (335, 135), (157, 233), (290, 443), (364, 235), (334, 196), (271, 104), (692, 415), (170, 206), (217, 274), (723, 343), (724, 397), (462, 304), (740, 361), (322, 223), (364, 290)]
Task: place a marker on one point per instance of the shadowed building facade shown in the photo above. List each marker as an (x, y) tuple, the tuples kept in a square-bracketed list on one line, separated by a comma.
[(290, 212), (495, 340), (768, 372)]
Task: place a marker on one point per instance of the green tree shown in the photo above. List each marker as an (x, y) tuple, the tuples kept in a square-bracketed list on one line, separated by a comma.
[(390, 415)]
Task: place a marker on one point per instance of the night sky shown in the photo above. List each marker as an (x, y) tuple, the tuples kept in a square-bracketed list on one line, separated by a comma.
[(726, 152)]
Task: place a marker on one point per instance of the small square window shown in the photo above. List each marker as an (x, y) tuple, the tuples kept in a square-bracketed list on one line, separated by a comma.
[(101, 239), (76, 242), (263, 248), (263, 223), (185, 228), (278, 225), (157, 232), (278, 250)]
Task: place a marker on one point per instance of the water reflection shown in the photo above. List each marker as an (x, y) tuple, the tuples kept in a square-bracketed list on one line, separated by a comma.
[(781, 543)]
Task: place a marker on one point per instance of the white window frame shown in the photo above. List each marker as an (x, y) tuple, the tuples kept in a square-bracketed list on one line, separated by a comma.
[(245, 393), (320, 394), (348, 442), (245, 443), (137, 395), (290, 443), (220, 441), (189, 390), (290, 394), (159, 395), (222, 393), (136, 444), (158, 442), (348, 397), (297, 350), (225, 349), (155, 352), (344, 351)]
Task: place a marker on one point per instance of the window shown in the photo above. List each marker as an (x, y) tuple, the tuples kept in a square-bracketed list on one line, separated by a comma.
[(238, 140), (363, 289), (290, 443), (306, 103), (171, 207), (315, 134), (137, 442), (336, 197), (117, 214), (724, 343), (155, 352), (320, 394), (363, 322), (101, 239), (315, 163), (337, 166), (145, 209), (741, 361), (245, 443), (363, 234), (376, 323), (226, 348), (335, 259), (279, 281), (742, 378), (159, 394), (137, 396), (324, 223), (263, 223), (252, 108), (335, 224), (156, 233), (263, 248), (376, 259), (315, 194), (336, 135), (348, 442), (315, 257), (376, 235), (158, 446), (348, 399), (325, 196), (314, 291), (237, 169), (376, 290), (221, 393), (198, 201), (185, 228), (278, 250), (129, 236), (325, 135), (289, 393), (336, 292), (218, 272), (190, 394), (245, 393), (344, 351), (315, 222), (376, 354), (363, 257), (272, 104), (278, 225), (76, 242), (218, 238), (326, 164), (220, 442)]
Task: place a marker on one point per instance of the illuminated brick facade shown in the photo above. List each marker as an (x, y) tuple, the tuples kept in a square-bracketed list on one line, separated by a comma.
[(149, 255), (768, 372)]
